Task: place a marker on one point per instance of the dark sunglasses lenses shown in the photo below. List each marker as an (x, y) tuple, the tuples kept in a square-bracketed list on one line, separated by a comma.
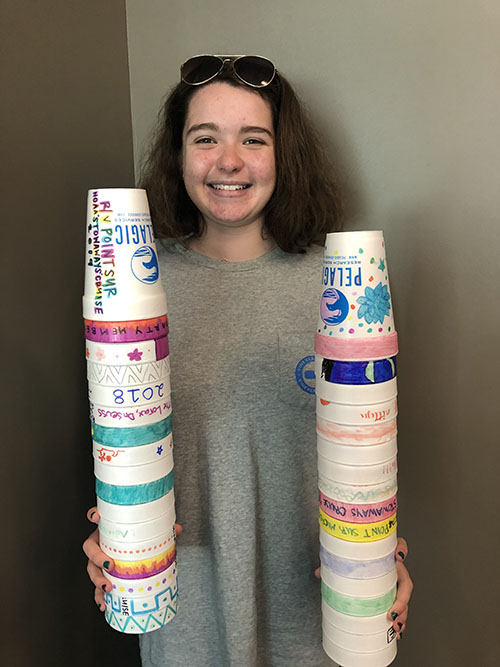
[(200, 69), (252, 70)]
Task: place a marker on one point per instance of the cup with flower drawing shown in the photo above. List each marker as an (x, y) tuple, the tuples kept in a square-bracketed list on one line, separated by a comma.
[(355, 298)]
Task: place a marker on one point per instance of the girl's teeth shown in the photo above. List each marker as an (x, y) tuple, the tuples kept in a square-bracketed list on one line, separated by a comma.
[(220, 186)]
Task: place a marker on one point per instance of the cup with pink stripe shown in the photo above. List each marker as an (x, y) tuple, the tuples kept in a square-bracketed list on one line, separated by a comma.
[(356, 397)]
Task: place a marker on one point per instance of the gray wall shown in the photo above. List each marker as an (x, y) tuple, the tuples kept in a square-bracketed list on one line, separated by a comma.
[(66, 127), (407, 96)]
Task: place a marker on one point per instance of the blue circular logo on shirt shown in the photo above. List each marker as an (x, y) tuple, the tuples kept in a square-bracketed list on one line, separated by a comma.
[(305, 375), (144, 265)]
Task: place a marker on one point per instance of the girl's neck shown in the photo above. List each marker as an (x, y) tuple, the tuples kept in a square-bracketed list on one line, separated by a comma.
[(232, 244)]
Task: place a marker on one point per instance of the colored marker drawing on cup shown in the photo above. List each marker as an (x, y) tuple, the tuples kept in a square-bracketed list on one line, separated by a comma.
[(128, 372)]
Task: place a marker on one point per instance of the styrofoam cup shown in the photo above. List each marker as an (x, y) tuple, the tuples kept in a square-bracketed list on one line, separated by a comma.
[(363, 475), (368, 434), (138, 532), (135, 551), (363, 551), (357, 493), (128, 374), (359, 642), (353, 456), (360, 588), (130, 396), (356, 415), (122, 276), (356, 569), (138, 588), (132, 353), (131, 475), (143, 415), (348, 658), (356, 299), (135, 513), (362, 625), (141, 624), (133, 456), (354, 394)]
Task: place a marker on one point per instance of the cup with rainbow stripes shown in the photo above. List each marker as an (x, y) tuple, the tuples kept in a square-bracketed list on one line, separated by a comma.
[(128, 371)]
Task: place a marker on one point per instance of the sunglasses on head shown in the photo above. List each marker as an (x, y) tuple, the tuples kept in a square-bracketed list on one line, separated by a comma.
[(254, 71)]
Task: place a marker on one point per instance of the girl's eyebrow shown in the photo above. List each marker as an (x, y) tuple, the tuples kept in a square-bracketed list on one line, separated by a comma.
[(203, 126), (256, 128), (215, 128)]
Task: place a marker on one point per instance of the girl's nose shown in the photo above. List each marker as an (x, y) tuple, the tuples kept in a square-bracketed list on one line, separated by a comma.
[(229, 159)]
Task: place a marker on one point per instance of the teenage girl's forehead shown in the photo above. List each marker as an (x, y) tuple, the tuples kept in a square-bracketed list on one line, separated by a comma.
[(218, 101)]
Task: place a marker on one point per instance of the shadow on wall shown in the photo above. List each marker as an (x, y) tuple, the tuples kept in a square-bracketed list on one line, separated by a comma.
[(434, 508)]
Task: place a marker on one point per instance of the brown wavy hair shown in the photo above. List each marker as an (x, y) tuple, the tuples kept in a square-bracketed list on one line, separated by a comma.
[(306, 202)]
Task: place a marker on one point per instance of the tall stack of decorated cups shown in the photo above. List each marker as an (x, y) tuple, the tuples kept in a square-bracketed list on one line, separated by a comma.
[(126, 328), (356, 347)]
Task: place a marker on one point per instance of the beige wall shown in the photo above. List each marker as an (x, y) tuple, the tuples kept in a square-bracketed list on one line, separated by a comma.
[(407, 95)]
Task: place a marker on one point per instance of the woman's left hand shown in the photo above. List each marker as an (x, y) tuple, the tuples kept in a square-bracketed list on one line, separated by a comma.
[(398, 613)]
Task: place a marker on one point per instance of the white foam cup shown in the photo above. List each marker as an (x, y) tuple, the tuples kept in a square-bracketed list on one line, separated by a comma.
[(122, 276), (138, 624), (362, 475), (347, 658), (363, 456), (356, 415), (363, 551), (121, 397), (138, 588), (135, 513), (359, 643), (132, 456), (371, 434), (359, 625), (137, 352), (151, 601), (138, 532), (355, 299), (117, 417), (134, 551), (354, 394), (127, 374), (360, 588), (131, 475), (357, 569), (358, 494)]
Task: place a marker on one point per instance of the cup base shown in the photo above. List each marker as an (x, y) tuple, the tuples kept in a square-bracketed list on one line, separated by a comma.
[(140, 625)]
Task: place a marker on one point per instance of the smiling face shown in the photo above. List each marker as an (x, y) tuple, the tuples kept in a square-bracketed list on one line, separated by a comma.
[(228, 159)]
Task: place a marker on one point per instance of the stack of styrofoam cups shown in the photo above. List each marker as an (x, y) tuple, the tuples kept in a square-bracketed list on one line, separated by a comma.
[(356, 347), (126, 327)]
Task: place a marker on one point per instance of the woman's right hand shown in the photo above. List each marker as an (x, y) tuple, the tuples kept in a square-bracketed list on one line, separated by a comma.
[(99, 561)]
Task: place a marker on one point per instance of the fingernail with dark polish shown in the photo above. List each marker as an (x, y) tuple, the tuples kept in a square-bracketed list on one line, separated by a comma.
[(400, 553), (400, 625), (106, 564), (92, 514), (394, 615), (103, 587)]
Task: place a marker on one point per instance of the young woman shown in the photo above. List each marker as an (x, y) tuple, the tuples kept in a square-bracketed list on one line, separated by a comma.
[(241, 193)]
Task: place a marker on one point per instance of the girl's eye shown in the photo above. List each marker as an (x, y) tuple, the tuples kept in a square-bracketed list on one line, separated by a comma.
[(204, 140), (253, 141)]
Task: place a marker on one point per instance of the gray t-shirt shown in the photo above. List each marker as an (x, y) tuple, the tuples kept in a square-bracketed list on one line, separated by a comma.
[(241, 341)]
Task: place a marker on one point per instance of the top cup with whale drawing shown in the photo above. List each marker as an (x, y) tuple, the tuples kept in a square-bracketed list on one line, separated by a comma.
[(122, 276), (356, 320)]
